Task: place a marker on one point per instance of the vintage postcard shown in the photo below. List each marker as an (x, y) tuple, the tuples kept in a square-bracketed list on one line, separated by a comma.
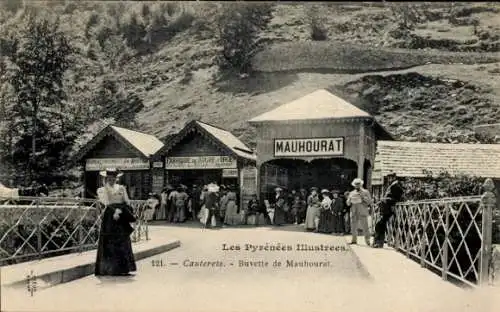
[(249, 156)]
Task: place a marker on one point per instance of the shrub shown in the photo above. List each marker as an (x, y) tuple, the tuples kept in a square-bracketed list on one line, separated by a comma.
[(442, 185), (238, 28), (317, 23), (182, 22)]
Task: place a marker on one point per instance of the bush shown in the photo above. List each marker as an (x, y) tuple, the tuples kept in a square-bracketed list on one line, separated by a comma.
[(238, 28), (317, 23), (442, 185)]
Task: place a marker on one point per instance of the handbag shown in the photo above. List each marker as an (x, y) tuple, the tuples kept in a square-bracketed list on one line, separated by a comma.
[(126, 217)]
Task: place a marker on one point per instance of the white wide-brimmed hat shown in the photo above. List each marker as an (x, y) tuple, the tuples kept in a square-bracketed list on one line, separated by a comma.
[(325, 191), (111, 172), (357, 181), (213, 188), (278, 189)]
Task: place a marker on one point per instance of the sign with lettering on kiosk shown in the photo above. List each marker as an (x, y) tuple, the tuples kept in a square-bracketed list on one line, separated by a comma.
[(229, 173), (200, 162), (309, 147), (98, 164)]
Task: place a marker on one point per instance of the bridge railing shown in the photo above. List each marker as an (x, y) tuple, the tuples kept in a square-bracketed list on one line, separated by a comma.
[(38, 227), (450, 235)]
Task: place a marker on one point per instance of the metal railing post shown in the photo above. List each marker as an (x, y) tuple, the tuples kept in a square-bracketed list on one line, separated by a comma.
[(407, 234), (394, 229), (423, 235), (38, 231), (444, 271), (80, 228), (488, 202)]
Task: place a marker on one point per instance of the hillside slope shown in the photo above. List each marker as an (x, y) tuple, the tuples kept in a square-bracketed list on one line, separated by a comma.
[(426, 105), (413, 81)]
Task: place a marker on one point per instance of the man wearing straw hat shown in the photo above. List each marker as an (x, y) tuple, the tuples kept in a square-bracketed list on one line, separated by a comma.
[(359, 200)]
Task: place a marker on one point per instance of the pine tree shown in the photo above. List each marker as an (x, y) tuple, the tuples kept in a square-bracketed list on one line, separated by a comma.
[(40, 133)]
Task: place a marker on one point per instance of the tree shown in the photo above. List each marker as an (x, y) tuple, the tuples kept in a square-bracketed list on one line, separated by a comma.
[(41, 60), (113, 102), (239, 26)]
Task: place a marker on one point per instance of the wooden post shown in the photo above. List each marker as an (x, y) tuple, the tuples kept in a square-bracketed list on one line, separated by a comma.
[(488, 204), (361, 150), (259, 183)]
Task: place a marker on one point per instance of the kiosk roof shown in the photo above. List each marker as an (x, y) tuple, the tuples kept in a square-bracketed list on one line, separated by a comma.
[(145, 143), (410, 159), (320, 104)]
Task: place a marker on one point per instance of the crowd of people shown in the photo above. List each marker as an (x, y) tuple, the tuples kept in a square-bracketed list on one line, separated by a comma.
[(323, 212), (180, 204), (329, 211)]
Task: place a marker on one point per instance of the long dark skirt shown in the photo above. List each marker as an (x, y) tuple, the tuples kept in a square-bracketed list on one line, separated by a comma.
[(338, 223), (326, 222), (114, 250), (279, 216)]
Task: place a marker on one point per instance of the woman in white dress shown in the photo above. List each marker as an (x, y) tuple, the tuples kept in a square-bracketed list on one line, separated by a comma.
[(313, 208), (114, 251), (231, 217)]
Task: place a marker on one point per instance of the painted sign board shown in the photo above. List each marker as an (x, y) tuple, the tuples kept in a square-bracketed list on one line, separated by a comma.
[(229, 173), (309, 147), (200, 162), (98, 164)]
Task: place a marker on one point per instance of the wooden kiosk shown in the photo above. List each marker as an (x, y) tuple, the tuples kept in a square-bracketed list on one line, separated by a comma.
[(202, 153), (124, 149), (317, 140)]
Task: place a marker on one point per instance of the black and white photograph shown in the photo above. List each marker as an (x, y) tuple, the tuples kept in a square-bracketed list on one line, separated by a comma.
[(219, 156)]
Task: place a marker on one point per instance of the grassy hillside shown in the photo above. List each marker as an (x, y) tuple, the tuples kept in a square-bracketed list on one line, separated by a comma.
[(430, 83)]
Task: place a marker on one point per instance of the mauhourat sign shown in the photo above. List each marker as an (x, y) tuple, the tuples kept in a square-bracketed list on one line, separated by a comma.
[(200, 162), (97, 164), (309, 147)]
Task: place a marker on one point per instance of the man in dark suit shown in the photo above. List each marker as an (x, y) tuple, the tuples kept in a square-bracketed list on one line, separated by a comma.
[(195, 201), (212, 204), (393, 195)]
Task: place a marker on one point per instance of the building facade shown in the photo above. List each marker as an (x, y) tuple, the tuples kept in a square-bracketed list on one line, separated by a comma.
[(124, 149), (202, 153), (318, 140)]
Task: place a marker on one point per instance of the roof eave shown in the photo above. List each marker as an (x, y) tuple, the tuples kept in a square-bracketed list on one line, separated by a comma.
[(108, 130), (85, 149), (383, 134), (315, 120)]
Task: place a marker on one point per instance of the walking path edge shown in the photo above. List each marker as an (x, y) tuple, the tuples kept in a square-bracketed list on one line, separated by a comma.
[(57, 270)]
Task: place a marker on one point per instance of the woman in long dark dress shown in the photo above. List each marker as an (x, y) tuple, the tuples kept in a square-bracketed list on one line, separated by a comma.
[(114, 251), (338, 213), (326, 217), (279, 207)]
